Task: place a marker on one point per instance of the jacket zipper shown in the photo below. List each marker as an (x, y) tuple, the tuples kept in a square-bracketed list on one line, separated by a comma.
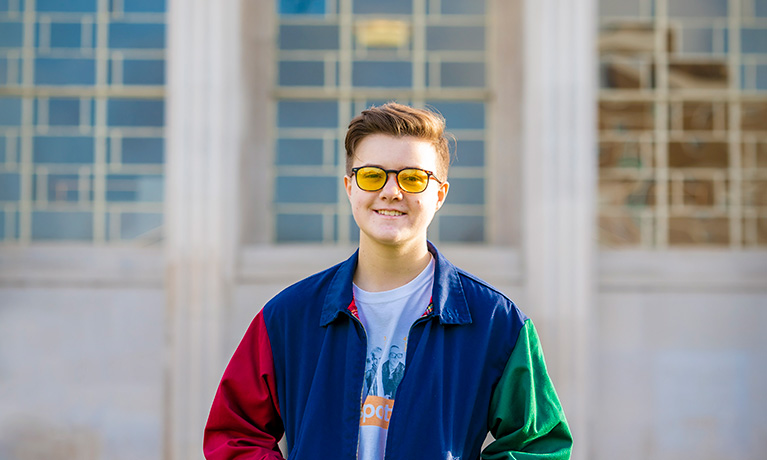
[(362, 389), (420, 320)]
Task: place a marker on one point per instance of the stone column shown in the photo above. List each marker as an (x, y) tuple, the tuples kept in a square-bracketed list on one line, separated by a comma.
[(559, 186), (203, 136)]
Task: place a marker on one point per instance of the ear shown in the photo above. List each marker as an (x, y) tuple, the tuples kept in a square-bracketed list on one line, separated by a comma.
[(442, 193), (348, 186)]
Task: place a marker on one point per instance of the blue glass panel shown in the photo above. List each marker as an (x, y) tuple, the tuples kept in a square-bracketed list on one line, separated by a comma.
[(307, 114), (697, 8), (354, 230), (455, 38), (130, 187), (11, 34), (299, 151), (64, 112), (2, 214), (760, 8), (65, 35), (461, 115), (141, 72), (298, 37), (51, 225), (10, 184), (68, 5), (307, 190), (761, 79), (625, 8), (10, 111), (63, 187), (697, 40), (135, 112), (470, 153), (292, 73), (130, 35), (463, 7), (462, 74), (52, 71), (144, 6), (302, 6), (2, 149), (465, 229), (134, 225), (63, 150), (383, 7), (3, 5), (299, 228), (3, 71), (382, 74), (467, 191), (145, 150), (754, 40)]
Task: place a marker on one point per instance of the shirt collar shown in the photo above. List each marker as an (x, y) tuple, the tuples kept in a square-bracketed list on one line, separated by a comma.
[(447, 295)]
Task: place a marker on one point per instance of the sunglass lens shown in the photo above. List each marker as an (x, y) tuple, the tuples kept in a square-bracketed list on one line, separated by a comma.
[(413, 180), (371, 178)]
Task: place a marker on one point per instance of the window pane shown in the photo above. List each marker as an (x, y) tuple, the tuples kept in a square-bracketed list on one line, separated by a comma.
[(52, 71), (307, 114), (382, 74), (463, 74), (455, 38), (463, 7), (697, 8), (307, 189), (10, 184), (302, 6), (134, 225), (464, 229), (52, 225), (132, 35), (147, 150), (383, 7), (469, 153), (70, 150), (299, 151), (467, 191), (300, 73), (461, 115), (143, 72), (135, 112), (64, 112), (299, 228), (295, 37)]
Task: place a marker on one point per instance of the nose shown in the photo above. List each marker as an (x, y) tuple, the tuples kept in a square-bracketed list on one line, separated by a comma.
[(391, 187)]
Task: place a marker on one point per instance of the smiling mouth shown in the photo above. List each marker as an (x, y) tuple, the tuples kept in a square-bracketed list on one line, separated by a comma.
[(386, 212)]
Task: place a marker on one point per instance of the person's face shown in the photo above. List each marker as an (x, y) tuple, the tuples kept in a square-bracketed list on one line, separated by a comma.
[(391, 216), (395, 356)]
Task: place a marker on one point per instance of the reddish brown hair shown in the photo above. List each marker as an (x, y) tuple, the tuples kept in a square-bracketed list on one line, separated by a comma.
[(400, 120)]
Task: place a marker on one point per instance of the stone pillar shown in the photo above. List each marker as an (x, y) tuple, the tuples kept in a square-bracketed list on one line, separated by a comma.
[(203, 136), (559, 186)]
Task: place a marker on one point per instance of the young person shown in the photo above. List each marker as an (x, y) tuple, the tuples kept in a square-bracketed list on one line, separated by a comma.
[(394, 353)]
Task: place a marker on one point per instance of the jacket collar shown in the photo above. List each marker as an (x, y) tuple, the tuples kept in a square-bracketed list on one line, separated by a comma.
[(447, 295)]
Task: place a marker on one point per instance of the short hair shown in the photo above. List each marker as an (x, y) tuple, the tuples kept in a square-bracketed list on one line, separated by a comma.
[(400, 120)]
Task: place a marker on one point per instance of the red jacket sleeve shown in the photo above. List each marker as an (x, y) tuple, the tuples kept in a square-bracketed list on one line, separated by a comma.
[(244, 420)]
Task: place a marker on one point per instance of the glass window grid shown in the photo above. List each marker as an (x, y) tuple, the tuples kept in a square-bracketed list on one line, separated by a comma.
[(93, 196), (337, 223), (654, 191)]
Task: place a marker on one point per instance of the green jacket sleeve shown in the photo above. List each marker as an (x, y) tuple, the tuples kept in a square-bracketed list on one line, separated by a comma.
[(525, 416)]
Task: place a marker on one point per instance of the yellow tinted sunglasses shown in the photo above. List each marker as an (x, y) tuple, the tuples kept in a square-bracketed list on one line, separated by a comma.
[(411, 180)]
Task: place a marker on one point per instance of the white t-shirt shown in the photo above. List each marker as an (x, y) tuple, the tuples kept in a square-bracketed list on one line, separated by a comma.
[(387, 317)]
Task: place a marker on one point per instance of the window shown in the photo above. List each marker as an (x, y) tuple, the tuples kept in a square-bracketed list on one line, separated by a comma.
[(336, 58), (683, 130), (81, 121)]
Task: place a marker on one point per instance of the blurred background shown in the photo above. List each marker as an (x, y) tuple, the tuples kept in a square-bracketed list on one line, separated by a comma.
[(167, 167)]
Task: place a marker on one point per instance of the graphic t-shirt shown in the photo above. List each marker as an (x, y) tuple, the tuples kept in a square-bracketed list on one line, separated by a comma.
[(387, 317)]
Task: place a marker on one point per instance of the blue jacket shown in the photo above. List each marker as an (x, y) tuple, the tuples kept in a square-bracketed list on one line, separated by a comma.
[(473, 365)]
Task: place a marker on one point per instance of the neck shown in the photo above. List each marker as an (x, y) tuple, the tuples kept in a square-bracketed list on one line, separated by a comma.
[(382, 268)]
